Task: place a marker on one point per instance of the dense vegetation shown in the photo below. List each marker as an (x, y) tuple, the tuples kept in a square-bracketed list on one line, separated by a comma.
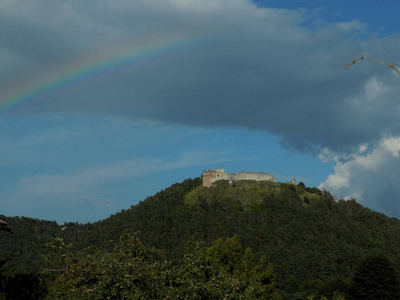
[(249, 240)]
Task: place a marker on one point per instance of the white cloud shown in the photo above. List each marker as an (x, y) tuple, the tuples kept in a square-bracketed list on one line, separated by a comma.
[(392, 145), (370, 176)]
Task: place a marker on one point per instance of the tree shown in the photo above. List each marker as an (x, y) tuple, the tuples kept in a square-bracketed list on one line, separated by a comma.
[(375, 278), (302, 185), (130, 271), (222, 271)]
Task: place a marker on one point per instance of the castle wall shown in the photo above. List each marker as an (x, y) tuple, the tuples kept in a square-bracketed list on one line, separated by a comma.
[(213, 175), (257, 176)]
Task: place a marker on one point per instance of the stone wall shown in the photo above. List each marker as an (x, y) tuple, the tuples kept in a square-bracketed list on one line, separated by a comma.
[(212, 175), (257, 176)]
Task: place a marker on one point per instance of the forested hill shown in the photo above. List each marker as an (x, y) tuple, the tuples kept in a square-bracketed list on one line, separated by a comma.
[(312, 241), (303, 231)]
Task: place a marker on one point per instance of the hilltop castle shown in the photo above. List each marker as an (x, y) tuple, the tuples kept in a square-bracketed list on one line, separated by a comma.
[(212, 175)]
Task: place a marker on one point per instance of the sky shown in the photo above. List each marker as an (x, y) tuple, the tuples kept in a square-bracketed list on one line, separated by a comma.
[(104, 103)]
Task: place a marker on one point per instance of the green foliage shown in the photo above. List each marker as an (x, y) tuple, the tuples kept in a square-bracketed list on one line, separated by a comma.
[(58, 254), (338, 296), (332, 287), (132, 271), (301, 185), (375, 278), (222, 271), (198, 276), (226, 253)]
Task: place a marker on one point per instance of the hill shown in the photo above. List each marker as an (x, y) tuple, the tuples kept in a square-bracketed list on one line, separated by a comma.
[(312, 241)]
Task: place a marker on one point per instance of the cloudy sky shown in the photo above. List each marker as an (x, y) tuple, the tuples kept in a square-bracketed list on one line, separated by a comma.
[(103, 103)]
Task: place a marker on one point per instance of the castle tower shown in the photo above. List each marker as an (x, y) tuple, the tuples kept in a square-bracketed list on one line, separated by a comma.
[(212, 175)]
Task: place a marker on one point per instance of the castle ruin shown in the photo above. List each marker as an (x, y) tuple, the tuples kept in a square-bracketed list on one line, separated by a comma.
[(212, 175)]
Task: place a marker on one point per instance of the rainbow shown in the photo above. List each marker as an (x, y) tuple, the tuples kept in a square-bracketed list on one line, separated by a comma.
[(81, 70)]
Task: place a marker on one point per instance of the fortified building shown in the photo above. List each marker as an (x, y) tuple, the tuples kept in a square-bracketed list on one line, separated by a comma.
[(212, 175)]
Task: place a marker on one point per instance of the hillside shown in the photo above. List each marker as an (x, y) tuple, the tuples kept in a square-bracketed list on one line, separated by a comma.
[(311, 240)]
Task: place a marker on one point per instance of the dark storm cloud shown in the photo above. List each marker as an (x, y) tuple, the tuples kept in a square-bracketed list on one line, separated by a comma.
[(251, 67)]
